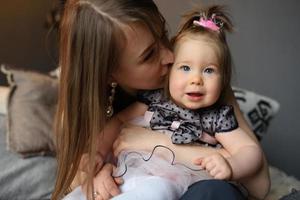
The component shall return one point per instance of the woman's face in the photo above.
(144, 63)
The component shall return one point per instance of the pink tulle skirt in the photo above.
(133, 164)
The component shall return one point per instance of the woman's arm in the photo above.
(103, 182)
(113, 126)
(245, 154)
(138, 138)
(258, 184)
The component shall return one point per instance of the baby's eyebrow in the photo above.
(211, 64)
(185, 62)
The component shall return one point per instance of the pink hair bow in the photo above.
(206, 23)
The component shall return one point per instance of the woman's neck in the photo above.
(129, 91)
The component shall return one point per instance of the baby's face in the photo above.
(195, 77)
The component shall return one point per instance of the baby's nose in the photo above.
(196, 80)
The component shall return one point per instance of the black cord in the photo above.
(151, 154)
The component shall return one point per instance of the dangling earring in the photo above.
(110, 109)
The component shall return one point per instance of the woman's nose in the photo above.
(167, 59)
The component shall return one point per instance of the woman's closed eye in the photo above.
(149, 55)
(152, 53)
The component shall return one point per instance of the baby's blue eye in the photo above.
(185, 68)
(209, 70)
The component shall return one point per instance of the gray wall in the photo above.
(24, 38)
(266, 50)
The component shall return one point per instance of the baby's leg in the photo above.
(148, 188)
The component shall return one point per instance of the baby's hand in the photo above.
(216, 165)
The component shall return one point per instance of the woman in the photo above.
(104, 42)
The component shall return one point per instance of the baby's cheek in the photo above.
(174, 90)
(175, 84)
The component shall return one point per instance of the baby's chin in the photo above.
(191, 107)
(187, 106)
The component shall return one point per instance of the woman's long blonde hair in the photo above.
(91, 39)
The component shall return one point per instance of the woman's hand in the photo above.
(84, 163)
(83, 169)
(105, 186)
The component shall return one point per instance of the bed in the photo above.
(24, 178)
(27, 153)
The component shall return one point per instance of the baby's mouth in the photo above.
(195, 94)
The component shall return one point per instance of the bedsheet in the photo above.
(36, 183)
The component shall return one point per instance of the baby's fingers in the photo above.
(198, 161)
(206, 161)
(220, 176)
(213, 172)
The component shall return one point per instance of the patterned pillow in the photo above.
(258, 110)
(31, 107)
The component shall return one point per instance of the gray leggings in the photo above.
(213, 190)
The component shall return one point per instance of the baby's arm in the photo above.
(246, 156)
(244, 160)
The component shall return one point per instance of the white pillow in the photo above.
(55, 73)
(258, 110)
(3, 99)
